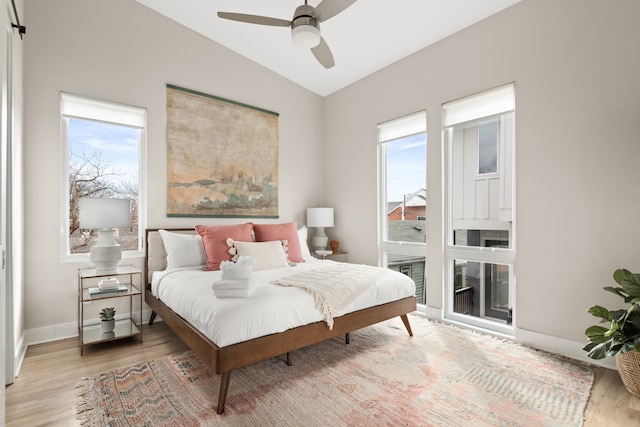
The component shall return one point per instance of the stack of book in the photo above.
(108, 285)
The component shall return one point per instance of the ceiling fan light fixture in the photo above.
(306, 33)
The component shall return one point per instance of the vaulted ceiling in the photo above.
(367, 36)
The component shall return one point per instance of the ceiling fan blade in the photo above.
(329, 8)
(323, 54)
(255, 19)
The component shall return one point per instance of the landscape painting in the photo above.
(222, 157)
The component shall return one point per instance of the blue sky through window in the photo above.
(406, 166)
(117, 144)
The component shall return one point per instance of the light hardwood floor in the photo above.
(44, 393)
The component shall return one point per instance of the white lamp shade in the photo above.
(104, 213)
(306, 36)
(320, 217)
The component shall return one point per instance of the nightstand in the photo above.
(337, 256)
(90, 295)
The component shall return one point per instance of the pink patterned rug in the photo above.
(443, 376)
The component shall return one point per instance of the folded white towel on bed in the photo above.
(232, 284)
(241, 272)
(232, 293)
(241, 269)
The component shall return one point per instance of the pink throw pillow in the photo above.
(287, 231)
(214, 241)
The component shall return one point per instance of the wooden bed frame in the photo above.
(223, 360)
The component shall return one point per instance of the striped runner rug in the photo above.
(442, 376)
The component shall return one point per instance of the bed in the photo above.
(227, 340)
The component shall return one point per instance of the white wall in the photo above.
(119, 50)
(576, 66)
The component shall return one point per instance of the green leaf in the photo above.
(596, 334)
(620, 274)
(615, 349)
(631, 284)
(633, 318)
(618, 315)
(617, 291)
(600, 312)
(628, 346)
(598, 352)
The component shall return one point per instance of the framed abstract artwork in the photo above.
(222, 157)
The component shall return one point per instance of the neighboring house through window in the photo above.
(103, 157)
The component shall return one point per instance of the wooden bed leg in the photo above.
(346, 338)
(405, 320)
(288, 359)
(152, 317)
(224, 386)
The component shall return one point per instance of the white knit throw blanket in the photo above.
(335, 287)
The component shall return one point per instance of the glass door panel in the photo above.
(481, 289)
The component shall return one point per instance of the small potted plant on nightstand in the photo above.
(622, 338)
(108, 317)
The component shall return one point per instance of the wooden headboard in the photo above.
(155, 256)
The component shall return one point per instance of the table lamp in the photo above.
(105, 215)
(319, 218)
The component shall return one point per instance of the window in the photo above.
(103, 157)
(402, 197)
(406, 270)
(488, 146)
(480, 249)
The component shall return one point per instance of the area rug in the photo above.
(442, 376)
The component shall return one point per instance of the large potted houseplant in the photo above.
(622, 338)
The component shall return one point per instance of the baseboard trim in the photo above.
(563, 347)
(61, 331)
(432, 312)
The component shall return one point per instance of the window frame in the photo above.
(411, 124)
(86, 108)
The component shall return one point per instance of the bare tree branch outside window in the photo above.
(92, 173)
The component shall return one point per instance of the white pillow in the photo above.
(267, 255)
(304, 247)
(183, 250)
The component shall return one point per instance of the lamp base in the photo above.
(319, 243)
(319, 240)
(107, 253)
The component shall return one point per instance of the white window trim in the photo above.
(111, 112)
(412, 124)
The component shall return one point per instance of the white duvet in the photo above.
(269, 309)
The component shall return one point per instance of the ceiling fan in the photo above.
(305, 25)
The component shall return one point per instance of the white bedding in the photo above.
(269, 309)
